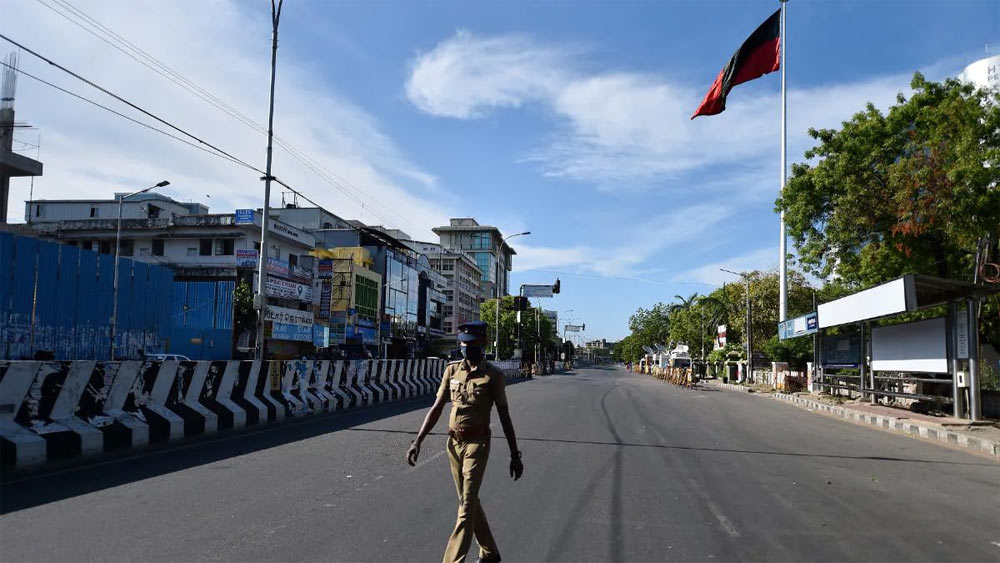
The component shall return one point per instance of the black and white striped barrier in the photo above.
(58, 410)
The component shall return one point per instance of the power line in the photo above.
(132, 119)
(133, 51)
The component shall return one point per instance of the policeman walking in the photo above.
(473, 385)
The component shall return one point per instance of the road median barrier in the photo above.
(59, 410)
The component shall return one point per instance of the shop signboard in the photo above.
(288, 289)
(324, 269)
(302, 274)
(282, 331)
(288, 316)
(244, 216)
(321, 336)
(246, 258)
(277, 267)
(367, 334)
(324, 300)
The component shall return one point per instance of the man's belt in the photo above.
(466, 434)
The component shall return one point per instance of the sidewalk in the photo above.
(983, 439)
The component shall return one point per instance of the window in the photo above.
(158, 247)
(128, 247)
(224, 247)
(484, 261)
(38, 211)
(205, 247)
(87, 245)
(94, 211)
(293, 260)
(153, 212)
(481, 241)
(256, 246)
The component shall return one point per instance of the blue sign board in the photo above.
(244, 216)
(300, 333)
(321, 336)
(799, 326)
(367, 334)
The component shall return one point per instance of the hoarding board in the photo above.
(720, 337)
(324, 269)
(890, 298)
(277, 267)
(538, 291)
(841, 350)
(302, 274)
(299, 333)
(244, 216)
(321, 336)
(289, 290)
(325, 294)
(288, 316)
(573, 328)
(246, 258)
(799, 326)
(911, 347)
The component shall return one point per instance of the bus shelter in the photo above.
(935, 360)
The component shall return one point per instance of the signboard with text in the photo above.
(287, 289)
(288, 316)
(246, 258)
(244, 216)
(277, 267)
(841, 351)
(538, 291)
(324, 269)
(720, 337)
(299, 333)
(321, 336)
(799, 326)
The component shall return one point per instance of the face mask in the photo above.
(472, 353)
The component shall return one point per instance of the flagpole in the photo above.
(783, 257)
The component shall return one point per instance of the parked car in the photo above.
(167, 357)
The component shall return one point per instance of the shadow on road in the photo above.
(719, 450)
(26, 490)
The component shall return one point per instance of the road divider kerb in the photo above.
(70, 410)
(896, 425)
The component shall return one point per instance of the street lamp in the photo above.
(118, 245)
(749, 338)
(496, 287)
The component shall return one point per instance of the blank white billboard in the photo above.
(912, 347)
(886, 299)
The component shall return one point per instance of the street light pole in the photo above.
(118, 246)
(260, 300)
(748, 337)
(496, 291)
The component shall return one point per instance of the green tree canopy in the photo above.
(508, 327)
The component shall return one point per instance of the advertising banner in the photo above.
(288, 289)
(281, 331)
(288, 316)
(321, 336)
(324, 269)
(367, 334)
(799, 326)
(720, 337)
(325, 291)
(573, 328)
(277, 267)
(302, 274)
(246, 258)
(244, 216)
(841, 351)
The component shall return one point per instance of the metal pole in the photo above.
(953, 355)
(260, 301)
(975, 398)
(783, 259)
(749, 344)
(114, 297)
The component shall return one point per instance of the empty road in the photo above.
(618, 467)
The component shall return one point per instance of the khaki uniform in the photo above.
(473, 394)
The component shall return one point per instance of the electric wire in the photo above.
(133, 51)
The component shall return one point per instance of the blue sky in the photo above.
(569, 119)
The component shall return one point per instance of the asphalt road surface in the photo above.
(618, 467)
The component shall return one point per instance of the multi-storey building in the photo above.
(484, 245)
(462, 287)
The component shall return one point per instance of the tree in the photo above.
(650, 326)
(508, 327)
(908, 191)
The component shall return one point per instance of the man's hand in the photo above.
(516, 467)
(413, 453)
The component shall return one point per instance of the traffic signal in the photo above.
(520, 303)
(555, 288)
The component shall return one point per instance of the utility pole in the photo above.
(748, 337)
(260, 299)
(496, 285)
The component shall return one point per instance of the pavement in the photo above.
(618, 467)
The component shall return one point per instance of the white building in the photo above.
(984, 73)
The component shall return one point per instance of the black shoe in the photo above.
(491, 559)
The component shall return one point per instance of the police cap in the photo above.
(469, 332)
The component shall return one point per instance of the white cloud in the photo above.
(225, 49)
(626, 130)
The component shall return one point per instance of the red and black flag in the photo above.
(757, 56)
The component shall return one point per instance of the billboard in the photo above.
(573, 328)
(841, 350)
(799, 326)
(288, 289)
(277, 267)
(920, 346)
(324, 269)
(246, 258)
(321, 336)
(720, 337)
(288, 316)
